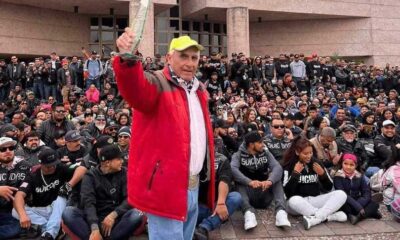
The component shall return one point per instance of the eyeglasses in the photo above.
(123, 136)
(4, 149)
(278, 126)
(101, 120)
(113, 129)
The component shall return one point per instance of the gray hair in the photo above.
(328, 132)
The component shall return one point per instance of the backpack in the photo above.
(394, 174)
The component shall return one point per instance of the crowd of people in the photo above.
(317, 136)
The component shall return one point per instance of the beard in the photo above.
(6, 160)
(100, 126)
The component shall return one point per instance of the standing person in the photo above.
(165, 102)
(16, 72)
(305, 180)
(93, 69)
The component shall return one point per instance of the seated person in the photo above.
(13, 170)
(391, 185)
(358, 205)
(42, 196)
(105, 212)
(258, 177)
(308, 186)
(227, 201)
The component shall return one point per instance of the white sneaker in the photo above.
(281, 219)
(309, 221)
(337, 217)
(249, 220)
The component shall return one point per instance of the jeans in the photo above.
(371, 171)
(74, 219)
(161, 228)
(50, 90)
(320, 206)
(9, 226)
(49, 218)
(95, 81)
(255, 197)
(4, 92)
(233, 202)
(38, 89)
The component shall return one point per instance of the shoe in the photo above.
(46, 236)
(33, 232)
(354, 219)
(377, 197)
(281, 219)
(337, 217)
(309, 221)
(377, 215)
(201, 233)
(249, 220)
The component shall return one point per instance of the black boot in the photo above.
(354, 219)
(200, 234)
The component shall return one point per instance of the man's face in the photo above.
(313, 114)
(17, 118)
(184, 63)
(14, 59)
(123, 140)
(340, 114)
(258, 147)
(349, 136)
(262, 111)
(60, 142)
(115, 164)
(277, 128)
(53, 57)
(73, 145)
(303, 108)
(389, 131)
(7, 153)
(59, 113)
(32, 143)
(364, 110)
(89, 119)
(74, 59)
(48, 169)
(232, 133)
(326, 141)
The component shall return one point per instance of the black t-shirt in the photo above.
(41, 190)
(74, 157)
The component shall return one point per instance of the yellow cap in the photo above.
(184, 42)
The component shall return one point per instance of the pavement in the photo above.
(385, 228)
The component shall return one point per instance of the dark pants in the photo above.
(205, 220)
(4, 92)
(38, 89)
(371, 210)
(123, 228)
(50, 90)
(9, 226)
(95, 81)
(256, 198)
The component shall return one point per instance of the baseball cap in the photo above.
(252, 137)
(47, 156)
(349, 127)
(110, 152)
(100, 117)
(94, 52)
(102, 141)
(124, 131)
(6, 140)
(387, 123)
(72, 135)
(59, 134)
(184, 42)
(288, 116)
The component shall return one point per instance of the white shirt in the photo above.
(198, 138)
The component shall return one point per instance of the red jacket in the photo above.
(158, 169)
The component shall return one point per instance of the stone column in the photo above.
(146, 46)
(237, 23)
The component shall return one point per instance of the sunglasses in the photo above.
(279, 126)
(123, 136)
(4, 149)
(59, 111)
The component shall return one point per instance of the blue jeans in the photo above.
(9, 226)
(95, 81)
(233, 202)
(38, 89)
(49, 218)
(74, 219)
(371, 171)
(50, 90)
(161, 228)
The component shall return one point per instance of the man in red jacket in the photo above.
(172, 149)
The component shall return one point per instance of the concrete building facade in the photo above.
(364, 29)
